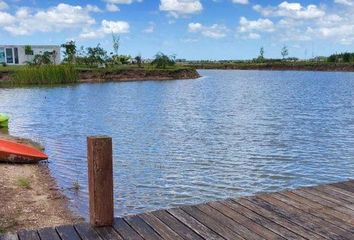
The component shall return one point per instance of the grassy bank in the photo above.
(64, 74)
(286, 65)
(42, 75)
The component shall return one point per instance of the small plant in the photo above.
(24, 182)
(4, 64)
(76, 186)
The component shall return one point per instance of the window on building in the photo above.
(2, 55)
(9, 55)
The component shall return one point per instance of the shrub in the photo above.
(162, 61)
(46, 74)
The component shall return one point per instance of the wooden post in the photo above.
(100, 177)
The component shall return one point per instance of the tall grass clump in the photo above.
(44, 75)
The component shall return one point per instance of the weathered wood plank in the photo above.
(324, 202)
(108, 233)
(248, 223)
(161, 228)
(344, 186)
(314, 208)
(28, 235)
(334, 199)
(228, 222)
(211, 223)
(192, 223)
(337, 193)
(126, 231)
(67, 232)
(315, 223)
(48, 234)
(86, 232)
(176, 225)
(9, 236)
(262, 220)
(281, 220)
(142, 228)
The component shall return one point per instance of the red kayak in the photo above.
(13, 152)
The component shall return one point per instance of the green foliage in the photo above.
(41, 59)
(69, 51)
(28, 50)
(162, 61)
(96, 56)
(116, 43)
(24, 182)
(342, 57)
(139, 60)
(43, 75)
(284, 52)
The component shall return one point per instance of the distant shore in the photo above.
(278, 66)
(100, 75)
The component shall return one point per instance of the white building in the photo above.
(21, 54)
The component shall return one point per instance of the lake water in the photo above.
(227, 134)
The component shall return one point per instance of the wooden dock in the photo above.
(321, 212)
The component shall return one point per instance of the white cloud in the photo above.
(215, 31)
(60, 17)
(112, 5)
(3, 5)
(241, 1)
(345, 2)
(262, 25)
(178, 8)
(291, 10)
(107, 27)
(150, 28)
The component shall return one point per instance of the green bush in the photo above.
(44, 75)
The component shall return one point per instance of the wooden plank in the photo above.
(28, 235)
(142, 228)
(334, 199)
(192, 223)
(211, 223)
(324, 202)
(108, 233)
(160, 227)
(344, 186)
(9, 236)
(316, 224)
(280, 230)
(281, 220)
(248, 223)
(48, 234)
(314, 209)
(176, 225)
(100, 175)
(228, 222)
(126, 231)
(67, 232)
(337, 193)
(86, 232)
(341, 190)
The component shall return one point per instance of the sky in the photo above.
(190, 29)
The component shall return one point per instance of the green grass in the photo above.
(42, 75)
(11, 68)
(24, 182)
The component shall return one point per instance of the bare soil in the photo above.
(30, 197)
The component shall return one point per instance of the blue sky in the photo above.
(191, 29)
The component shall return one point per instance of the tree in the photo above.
(96, 55)
(261, 53)
(162, 61)
(139, 60)
(69, 52)
(284, 52)
(116, 43)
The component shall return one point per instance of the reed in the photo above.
(44, 75)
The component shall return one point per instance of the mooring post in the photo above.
(100, 177)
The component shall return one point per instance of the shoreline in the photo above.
(282, 66)
(30, 197)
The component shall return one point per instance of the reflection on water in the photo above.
(230, 133)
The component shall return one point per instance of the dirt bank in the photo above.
(92, 76)
(30, 198)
